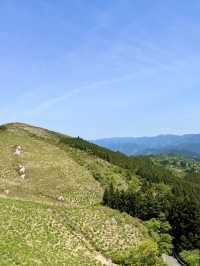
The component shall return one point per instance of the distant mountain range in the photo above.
(188, 145)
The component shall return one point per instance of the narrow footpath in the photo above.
(170, 261)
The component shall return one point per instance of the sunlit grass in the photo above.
(37, 229)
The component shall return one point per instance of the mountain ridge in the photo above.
(169, 143)
(55, 211)
(71, 202)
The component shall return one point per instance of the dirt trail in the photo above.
(170, 261)
(103, 260)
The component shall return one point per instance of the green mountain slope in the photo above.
(54, 215)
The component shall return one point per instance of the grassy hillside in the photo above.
(38, 229)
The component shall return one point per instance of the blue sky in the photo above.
(99, 68)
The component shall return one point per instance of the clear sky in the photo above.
(101, 68)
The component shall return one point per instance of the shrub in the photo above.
(191, 257)
(159, 229)
(3, 128)
(144, 254)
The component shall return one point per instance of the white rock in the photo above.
(23, 176)
(113, 221)
(7, 191)
(21, 169)
(18, 147)
(60, 198)
(17, 152)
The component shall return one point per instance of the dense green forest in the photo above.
(162, 190)
(155, 190)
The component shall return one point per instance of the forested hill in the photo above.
(185, 145)
(51, 211)
(158, 191)
(66, 184)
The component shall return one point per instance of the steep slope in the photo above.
(37, 228)
(50, 172)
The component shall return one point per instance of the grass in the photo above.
(37, 229)
(108, 230)
(50, 172)
(32, 234)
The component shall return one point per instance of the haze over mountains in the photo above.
(188, 145)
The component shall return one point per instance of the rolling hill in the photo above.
(188, 145)
(53, 215)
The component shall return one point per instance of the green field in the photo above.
(38, 229)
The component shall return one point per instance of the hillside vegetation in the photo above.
(54, 215)
(168, 199)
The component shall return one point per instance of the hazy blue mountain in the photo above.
(185, 144)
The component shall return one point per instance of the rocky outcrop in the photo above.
(18, 150)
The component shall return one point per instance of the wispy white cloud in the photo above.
(50, 102)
